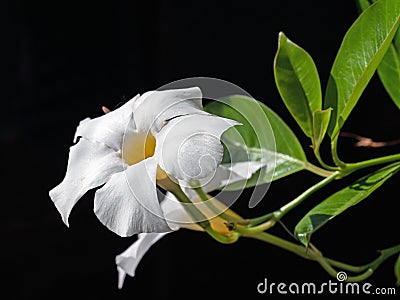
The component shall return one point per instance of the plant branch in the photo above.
(352, 167)
(207, 200)
(201, 219)
(319, 171)
(292, 204)
(270, 219)
(335, 156)
(312, 253)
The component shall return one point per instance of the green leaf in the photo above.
(298, 83)
(389, 68)
(262, 137)
(320, 125)
(364, 4)
(397, 271)
(341, 201)
(360, 53)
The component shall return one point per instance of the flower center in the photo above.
(138, 148)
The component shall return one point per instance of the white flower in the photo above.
(127, 150)
(177, 217)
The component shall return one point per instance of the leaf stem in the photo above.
(327, 264)
(270, 219)
(385, 254)
(332, 272)
(281, 243)
(292, 204)
(201, 219)
(207, 200)
(195, 213)
(259, 220)
(352, 167)
(347, 267)
(335, 156)
(319, 171)
(367, 269)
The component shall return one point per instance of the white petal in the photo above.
(90, 165)
(226, 174)
(190, 146)
(80, 127)
(128, 261)
(176, 217)
(155, 107)
(235, 172)
(121, 276)
(109, 128)
(128, 202)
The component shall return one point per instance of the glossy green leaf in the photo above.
(360, 53)
(341, 201)
(320, 125)
(389, 68)
(397, 271)
(298, 83)
(262, 137)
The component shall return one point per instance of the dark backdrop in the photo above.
(64, 60)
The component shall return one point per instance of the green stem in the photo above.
(385, 254)
(346, 267)
(292, 204)
(196, 214)
(335, 156)
(281, 243)
(341, 265)
(323, 164)
(206, 199)
(332, 272)
(327, 264)
(258, 220)
(271, 218)
(257, 228)
(351, 167)
(299, 250)
(202, 220)
(319, 171)
(360, 277)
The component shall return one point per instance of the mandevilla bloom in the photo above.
(152, 137)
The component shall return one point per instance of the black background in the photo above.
(64, 60)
